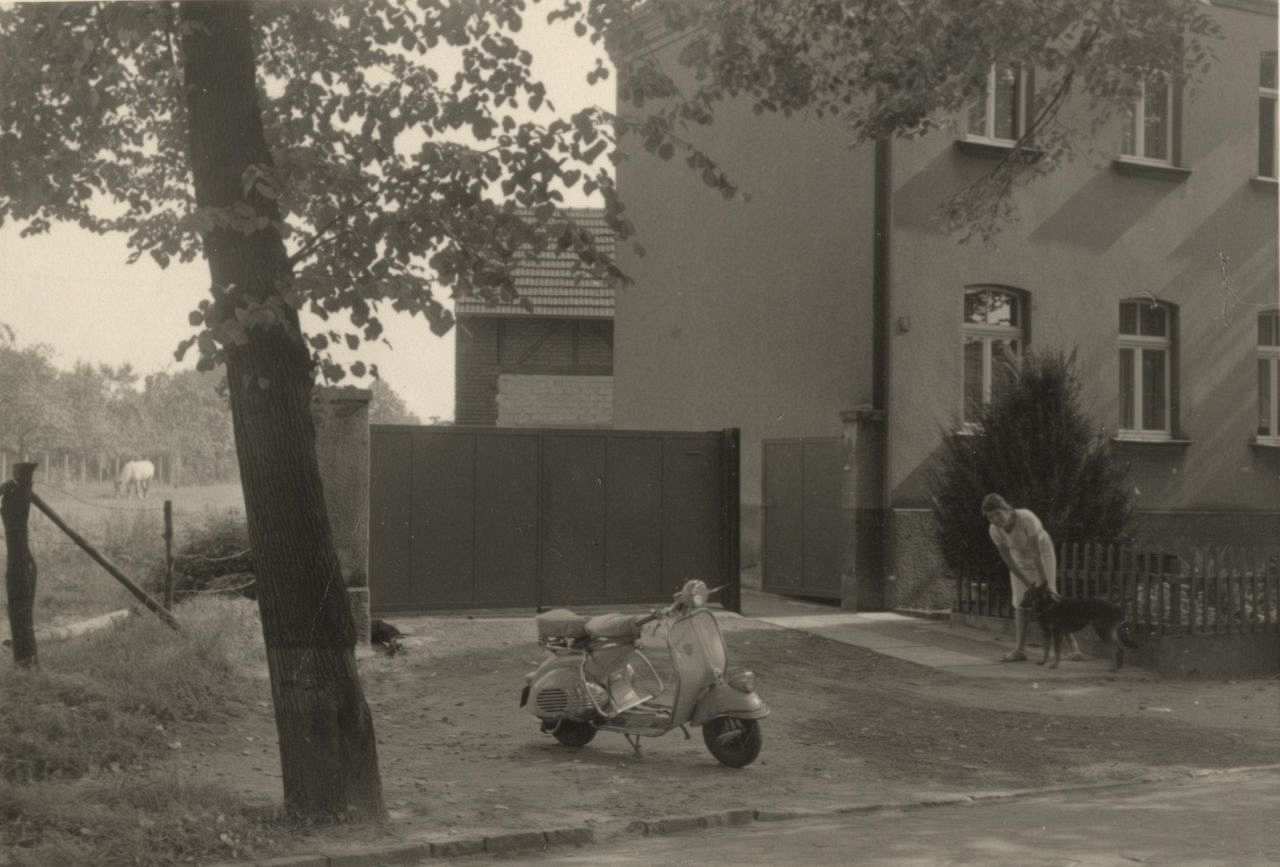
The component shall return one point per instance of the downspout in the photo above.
(881, 281)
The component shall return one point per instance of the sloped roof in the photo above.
(550, 282)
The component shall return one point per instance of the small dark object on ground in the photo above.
(1060, 617)
(385, 636)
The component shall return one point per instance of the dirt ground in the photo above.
(848, 726)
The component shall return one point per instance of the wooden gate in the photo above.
(804, 527)
(480, 517)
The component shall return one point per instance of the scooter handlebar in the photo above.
(650, 617)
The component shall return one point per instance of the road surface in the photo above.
(1227, 819)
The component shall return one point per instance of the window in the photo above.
(1269, 377)
(1000, 114)
(1146, 363)
(994, 331)
(1267, 116)
(1148, 126)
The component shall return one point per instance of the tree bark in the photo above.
(20, 568)
(328, 753)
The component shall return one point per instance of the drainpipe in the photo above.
(881, 281)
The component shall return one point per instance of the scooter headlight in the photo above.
(743, 681)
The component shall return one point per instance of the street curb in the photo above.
(524, 841)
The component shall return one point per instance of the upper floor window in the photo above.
(1267, 152)
(1146, 347)
(1000, 113)
(1269, 377)
(994, 332)
(1148, 123)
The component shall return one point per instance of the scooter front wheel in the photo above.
(573, 733)
(734, 742)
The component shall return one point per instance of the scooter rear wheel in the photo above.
(572, 733)
(734, 742)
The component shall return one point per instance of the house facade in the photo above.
(834, 287)
(547, 362)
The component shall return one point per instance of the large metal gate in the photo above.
(804, 525)
(478, 517)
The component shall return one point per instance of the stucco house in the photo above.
(547, 362)
(831, 304)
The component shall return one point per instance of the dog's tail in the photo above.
(1125, 634)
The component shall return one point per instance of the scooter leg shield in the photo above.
(723, 700)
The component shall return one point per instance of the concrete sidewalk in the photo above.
(933, 643)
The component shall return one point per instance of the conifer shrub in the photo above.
(1034, 445)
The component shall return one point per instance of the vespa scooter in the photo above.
(588, 683)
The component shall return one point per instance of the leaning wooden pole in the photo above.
(20, 568)
(105, 563)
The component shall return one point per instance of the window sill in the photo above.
(996, 149)
(1142, 169)
(1264, 183)
(1139, 440)
(1265, 443)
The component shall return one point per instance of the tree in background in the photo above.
(387, 407)
(84, 389)
(1033, 444)
(316, 160)
(191, 419)
(32, 417)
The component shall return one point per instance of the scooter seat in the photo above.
(613, 626)
(561, 623)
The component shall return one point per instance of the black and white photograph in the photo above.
(639, 432)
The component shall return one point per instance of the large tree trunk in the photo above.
(327, 749)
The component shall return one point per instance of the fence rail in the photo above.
(1204, 591)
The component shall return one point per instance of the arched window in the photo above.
(994, 330)
(1269, 377)
(1147, 354)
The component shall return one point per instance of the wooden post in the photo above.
(114, 572)
(168, 555)
(20, 569)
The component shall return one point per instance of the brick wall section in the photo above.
(476, 371)
(533, 400)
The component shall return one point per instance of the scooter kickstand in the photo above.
(634, 740)
(685, 729)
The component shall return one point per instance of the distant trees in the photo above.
(387, 407)
(87, 417)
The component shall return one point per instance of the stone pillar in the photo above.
(342, 446)
(862, 504)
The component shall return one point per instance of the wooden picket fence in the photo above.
(1201, 591)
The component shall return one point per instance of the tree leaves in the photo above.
(411, 142)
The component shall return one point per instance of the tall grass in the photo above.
(81, 737)
(129, 533)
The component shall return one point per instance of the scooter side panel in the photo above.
(723, 700)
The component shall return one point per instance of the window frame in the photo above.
(988, 334)
(1270, 353)
(1021, 100)
(1141, 344)
(1273, 94)
(1139, 121)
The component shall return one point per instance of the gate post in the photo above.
(863, 509)
(731, 518)
(341, 417)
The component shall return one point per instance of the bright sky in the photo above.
(73, 291)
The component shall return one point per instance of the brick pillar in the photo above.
(861, 501)
(342, 445)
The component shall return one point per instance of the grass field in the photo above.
(128, 532)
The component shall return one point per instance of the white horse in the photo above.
(136, 475)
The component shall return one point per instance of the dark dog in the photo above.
(1060, 617)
